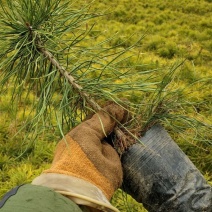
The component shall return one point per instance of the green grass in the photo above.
(173, 30)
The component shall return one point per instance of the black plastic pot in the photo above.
(159, 175)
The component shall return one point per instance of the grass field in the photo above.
(171, 31)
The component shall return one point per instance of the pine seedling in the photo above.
(47, 52)
(64, 75)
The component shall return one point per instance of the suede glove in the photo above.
(84, 154)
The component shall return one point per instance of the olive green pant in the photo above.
(33, 198)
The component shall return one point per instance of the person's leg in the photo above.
(158, 174)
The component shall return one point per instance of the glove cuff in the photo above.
(78, 190)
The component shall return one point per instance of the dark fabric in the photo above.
(33, 198)
(159, 175)
(8, 195)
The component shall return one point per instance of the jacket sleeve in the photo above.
(30, 198)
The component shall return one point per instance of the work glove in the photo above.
(86, 168)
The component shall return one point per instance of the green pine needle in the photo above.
(45, 46)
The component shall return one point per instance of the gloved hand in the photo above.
(86, 168)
